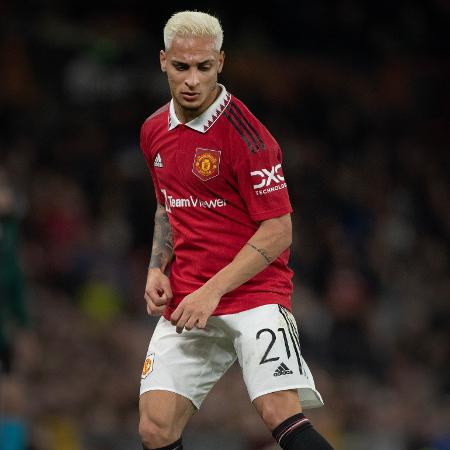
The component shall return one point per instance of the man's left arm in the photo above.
(270, 240)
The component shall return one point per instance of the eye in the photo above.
(180, 67)
(204, 68)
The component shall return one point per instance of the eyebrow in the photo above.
(201, 63)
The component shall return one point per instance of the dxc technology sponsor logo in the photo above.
(268, 180)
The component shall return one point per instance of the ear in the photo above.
(221, 61)
(163, 60)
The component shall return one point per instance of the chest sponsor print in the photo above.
(206, 163)
(191, 202)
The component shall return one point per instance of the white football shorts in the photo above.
(265, 340)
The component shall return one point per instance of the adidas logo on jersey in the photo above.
(158, 161)
(282, 369)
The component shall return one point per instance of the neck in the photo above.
(186, 115)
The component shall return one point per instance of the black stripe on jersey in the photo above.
(294, 337)
(236, 107)
(244, 127)
(238, 129)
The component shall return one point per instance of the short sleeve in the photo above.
(145, 148)
(260, 179)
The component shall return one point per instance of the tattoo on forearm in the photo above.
(162, 248)
(262, 252)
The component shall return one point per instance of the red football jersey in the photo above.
(218, 176)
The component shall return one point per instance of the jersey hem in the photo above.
(239, 306)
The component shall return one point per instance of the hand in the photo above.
(157, 292)
(195, 309)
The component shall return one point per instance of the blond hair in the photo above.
(193, 23)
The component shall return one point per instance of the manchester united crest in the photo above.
(148, 365)
(206, 163)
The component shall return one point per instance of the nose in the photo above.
(192, 79)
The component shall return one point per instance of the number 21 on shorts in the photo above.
(272, 354)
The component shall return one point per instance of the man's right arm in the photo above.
(162, 248)
(157, 290)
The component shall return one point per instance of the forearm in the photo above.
(162, 247)
(269, 241)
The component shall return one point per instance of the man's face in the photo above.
(192, 66)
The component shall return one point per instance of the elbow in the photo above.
(289, 241)
(286, 239)
(277, 233)
(284, 232)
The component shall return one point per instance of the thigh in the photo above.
(268, 348)
(187, 364)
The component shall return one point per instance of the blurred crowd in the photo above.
(355, 95)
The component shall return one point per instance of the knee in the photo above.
(271, 416)
(154, 434)
(276, 407)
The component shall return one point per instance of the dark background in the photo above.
(357, 96)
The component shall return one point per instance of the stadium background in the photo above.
(355, 94)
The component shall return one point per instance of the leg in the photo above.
(281, 412)
(163, 417)
(188, 364)
(278, 406)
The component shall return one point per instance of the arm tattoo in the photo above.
(262, 252)
(162, 248)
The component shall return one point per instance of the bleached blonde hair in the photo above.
(193, 23)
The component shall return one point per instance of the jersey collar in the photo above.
(207, 118)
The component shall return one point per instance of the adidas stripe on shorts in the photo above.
(265, 340)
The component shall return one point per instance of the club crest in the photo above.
(206, 163)
(148, 365)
